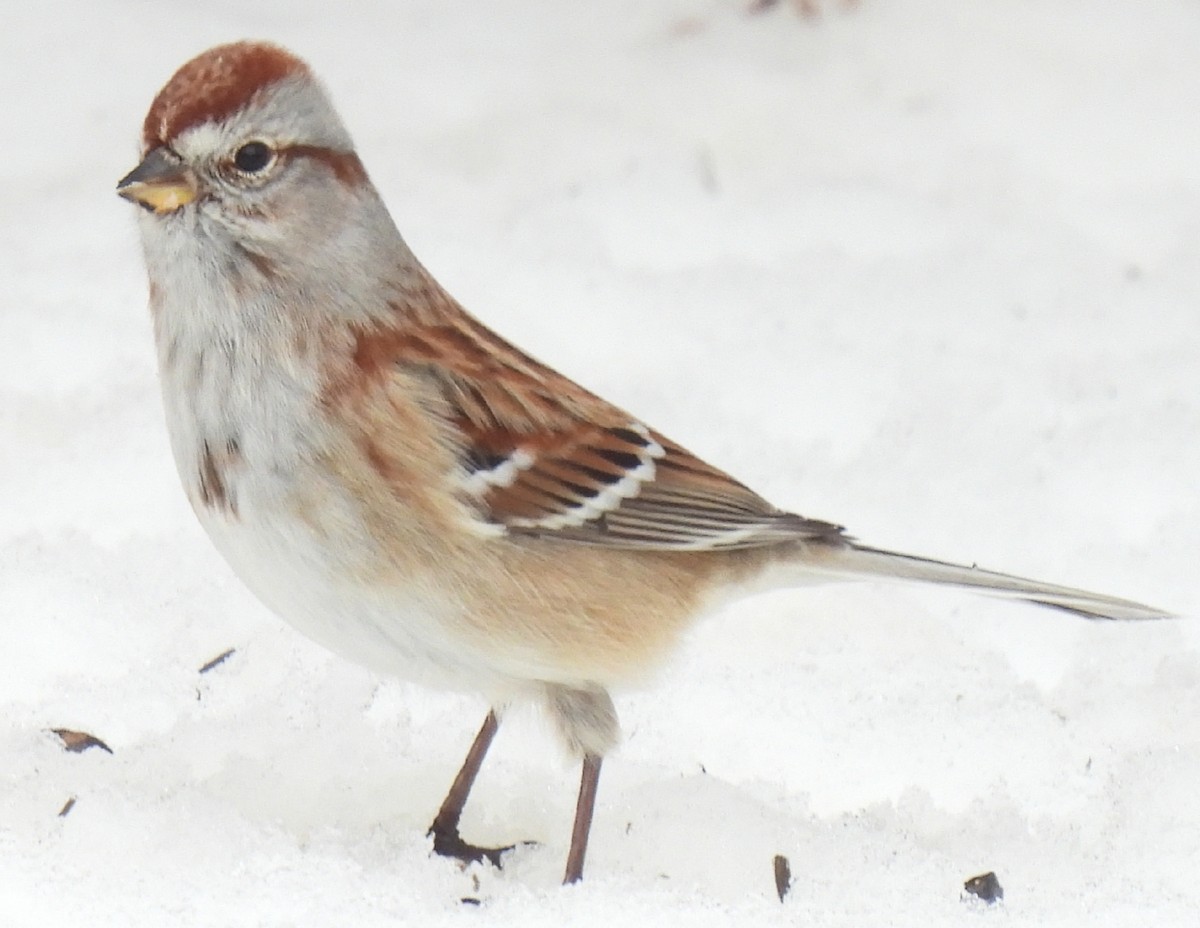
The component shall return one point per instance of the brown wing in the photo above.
(541, 456)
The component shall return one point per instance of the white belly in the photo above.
(404, 630)
(245, 451)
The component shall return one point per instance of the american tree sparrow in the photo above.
(400, 483)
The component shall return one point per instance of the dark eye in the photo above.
(253, 157)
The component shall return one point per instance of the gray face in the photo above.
(271, 194)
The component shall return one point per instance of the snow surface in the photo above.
(930, 268)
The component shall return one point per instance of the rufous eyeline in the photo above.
(403, 485)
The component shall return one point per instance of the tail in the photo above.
(852, 560)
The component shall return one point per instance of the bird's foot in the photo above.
(447, 842)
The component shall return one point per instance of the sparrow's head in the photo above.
(243, 150)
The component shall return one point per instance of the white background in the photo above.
(928, 268)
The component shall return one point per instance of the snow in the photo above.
(928, 268)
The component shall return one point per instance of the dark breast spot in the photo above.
(214, 471)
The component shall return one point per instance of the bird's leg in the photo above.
(587, 721)
(588, 781)
(446, 840)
